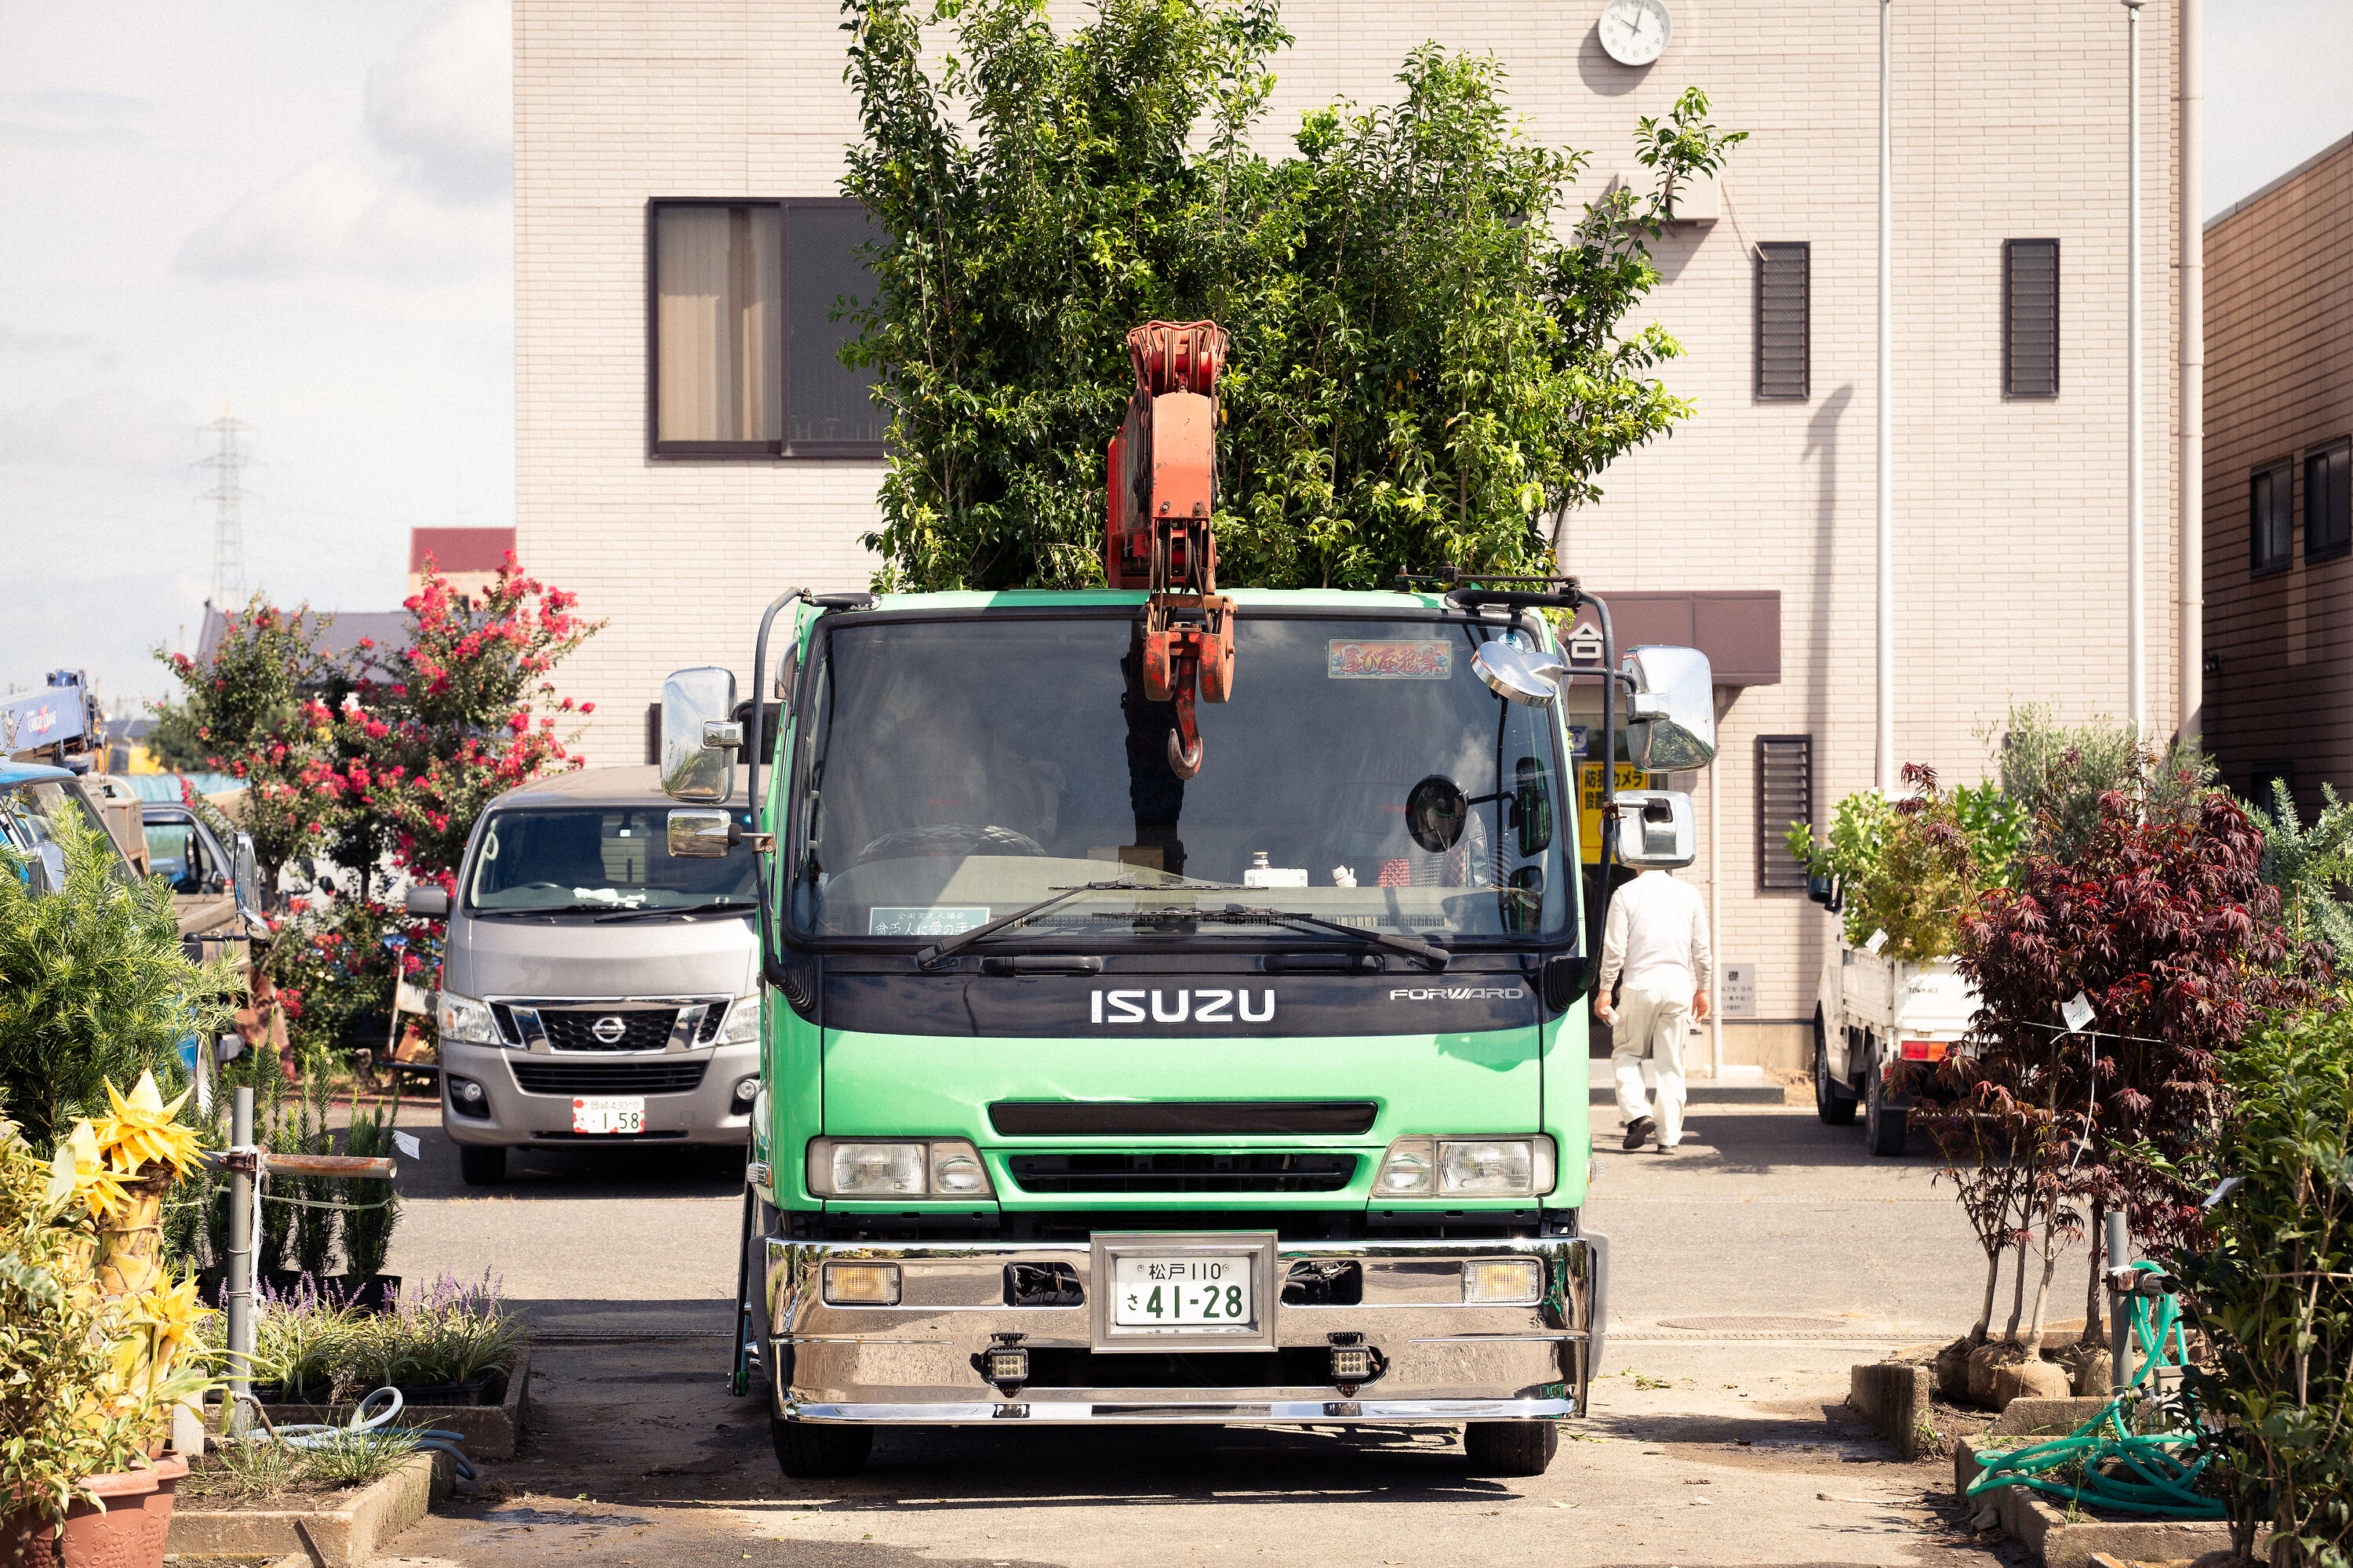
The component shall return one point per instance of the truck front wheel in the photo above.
(1510, 1447)
(807, 1451)
(1833, 1107)
(1883, 1124)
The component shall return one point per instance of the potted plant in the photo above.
(95, 1338)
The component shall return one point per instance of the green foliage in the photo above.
(314, 1217)
(443, 1333)
(2309, 864)
(2057, 772)
(375, 1205)
(2271, 1285)
(1912, 867)
(171, 738)
(93, 984)
(1426, 352)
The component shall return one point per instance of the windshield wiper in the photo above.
(928, 957)
(723, 903)
(596, 907)
(1437, 957)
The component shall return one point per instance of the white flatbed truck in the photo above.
(1877, 1023)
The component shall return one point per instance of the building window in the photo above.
(2030, 316)
(1784, 320)
(2271, 521)
(1785, 794)
(744, 360)
(2328, 503)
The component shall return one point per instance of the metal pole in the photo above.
(2135, 592)
(1886, 435)
(241, 1267)
(2119, 1242)
(2190, 482)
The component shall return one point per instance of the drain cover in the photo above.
(1755, 1325)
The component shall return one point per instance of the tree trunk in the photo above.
(2095, 1323)
(1985, 1309)
(2018, 1289)
(2042, 1289)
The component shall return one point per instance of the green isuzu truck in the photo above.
(1126, 1064)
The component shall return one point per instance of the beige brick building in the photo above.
(2279, 511)
(2008, 392)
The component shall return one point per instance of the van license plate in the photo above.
(609, 1113)
(1192, 1292)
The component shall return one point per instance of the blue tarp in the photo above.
(166, 786)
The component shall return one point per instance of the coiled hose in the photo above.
(2126, 1471)
(368, 1423)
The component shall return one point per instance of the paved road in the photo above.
(1724, 1444)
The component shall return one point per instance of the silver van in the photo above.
(595, 991)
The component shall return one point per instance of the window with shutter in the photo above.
(1785, 320)
(2030, 309)
(2271, 518)
(1785, 794)
(2328, 503)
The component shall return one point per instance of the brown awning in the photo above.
(1738, 630)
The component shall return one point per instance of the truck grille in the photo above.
(1266, 1171)
(608, 1077)
(573, 1028)
(1174, 1118)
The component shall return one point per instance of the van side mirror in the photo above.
(1672, 721)
(699, 739)
(427, 903)
(1654, 828)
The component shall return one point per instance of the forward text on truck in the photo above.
(1173, 1000)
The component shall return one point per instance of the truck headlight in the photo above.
(876, 1167)
(463, 1018)
(742, 1024)
(1466, 1168)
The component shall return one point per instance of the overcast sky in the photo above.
(302, 213)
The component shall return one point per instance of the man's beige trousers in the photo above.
(1652, 1022)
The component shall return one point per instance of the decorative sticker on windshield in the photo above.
(889, 920)
(1349, 659)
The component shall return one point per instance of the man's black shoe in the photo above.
(1638, 1132)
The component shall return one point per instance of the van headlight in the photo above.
(1466, 1168)
(742, 1024)
(880, 1168)
(463, 1018)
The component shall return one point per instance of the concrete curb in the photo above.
(485, 1432)
(2053, 1537)
(1893, 1395)
(346, 1537)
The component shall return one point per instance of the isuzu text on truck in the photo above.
(1173, 1000)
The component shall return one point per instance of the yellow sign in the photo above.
(1589, 801)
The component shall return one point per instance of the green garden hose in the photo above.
(2119, 1469)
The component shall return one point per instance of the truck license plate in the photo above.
(609, 1113)
(1191, 1292)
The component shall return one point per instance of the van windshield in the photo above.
(597, 857)
(957, 770)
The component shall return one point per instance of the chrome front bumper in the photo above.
(1447, 1363)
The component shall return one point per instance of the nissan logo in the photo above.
(609, 1030)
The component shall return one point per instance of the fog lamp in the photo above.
(1352, 1364)
(1502, 1282)
(467, 1099)
(746, 1091)
(861, 1284)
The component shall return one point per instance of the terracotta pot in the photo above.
(129, 1535)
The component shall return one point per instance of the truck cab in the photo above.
(1094, 1090)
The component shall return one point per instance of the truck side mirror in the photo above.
(1654, 828)
(48, 863)
(427, 903)
(699, 737)
(1672, 722)
(699, 835)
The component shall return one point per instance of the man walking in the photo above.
(1657, 937)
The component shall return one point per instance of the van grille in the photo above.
(1257, 1171)
(608, 1077)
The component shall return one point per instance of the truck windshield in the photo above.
(592, 858)
(957, 770)
(32, 811)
